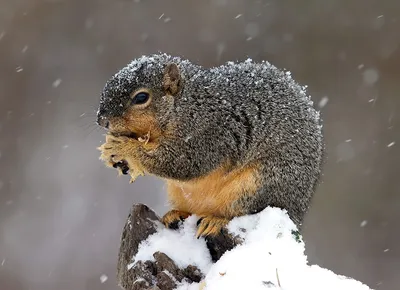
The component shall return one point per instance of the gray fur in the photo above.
(240, 112)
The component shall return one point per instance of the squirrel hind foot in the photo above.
(210, 226)
(173, 218)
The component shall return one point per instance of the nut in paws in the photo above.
(120, 152)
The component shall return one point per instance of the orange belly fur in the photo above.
(214, 194)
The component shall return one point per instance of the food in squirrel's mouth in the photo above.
(123, 165)
(144, 139)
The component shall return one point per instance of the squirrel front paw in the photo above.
(207, 226)
(120, 152)
(172, 218)
(210, 226)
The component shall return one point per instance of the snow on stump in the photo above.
(261, 251)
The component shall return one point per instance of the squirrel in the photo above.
(228, 140)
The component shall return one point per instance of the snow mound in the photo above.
(181, 246)
(271, 257)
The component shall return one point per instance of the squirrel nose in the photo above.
(103, 122)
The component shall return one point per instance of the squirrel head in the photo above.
(137, 100)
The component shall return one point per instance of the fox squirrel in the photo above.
(229, 140)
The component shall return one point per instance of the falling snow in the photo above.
(363, 223)
(103, 278)
(370, 76)
(379, 22)
(2, 262)
(56, 83)
(220, 50)
(19, 69)
(391, 144)
(322, 103)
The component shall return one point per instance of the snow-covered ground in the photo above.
(272, 256)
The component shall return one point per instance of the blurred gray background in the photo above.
(62, 211)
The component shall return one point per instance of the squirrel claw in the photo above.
(172, 218)
(210, 226)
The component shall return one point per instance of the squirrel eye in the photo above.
(141, 98)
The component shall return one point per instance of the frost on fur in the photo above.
(270, 255)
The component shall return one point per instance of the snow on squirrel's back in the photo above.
(272, 257)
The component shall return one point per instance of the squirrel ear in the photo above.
(172, 79)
